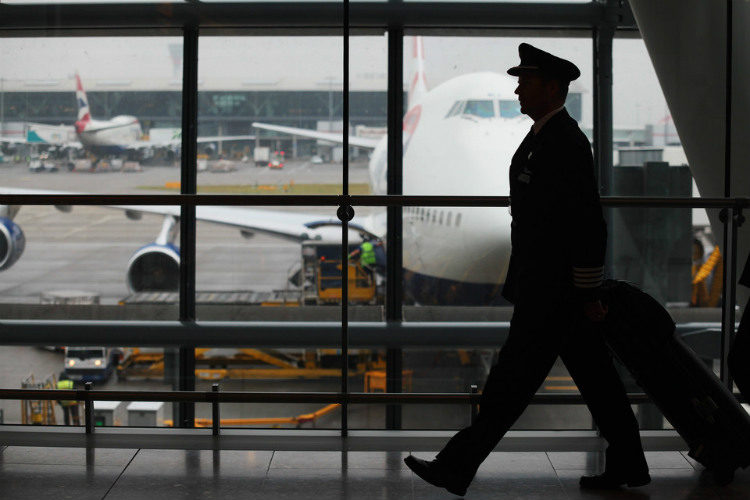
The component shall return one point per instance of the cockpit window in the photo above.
(485, 108)
(510, 109)
(482, 109)
(455, 109)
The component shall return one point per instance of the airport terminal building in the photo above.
(218, 323)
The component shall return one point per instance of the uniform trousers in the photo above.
(548, 325)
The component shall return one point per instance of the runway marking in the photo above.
(104, 219)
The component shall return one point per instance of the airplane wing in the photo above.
(297, 226)
(177, 141)
(56, 138)
(359, 142)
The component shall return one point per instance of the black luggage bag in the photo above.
(739, 354)
(641, 334)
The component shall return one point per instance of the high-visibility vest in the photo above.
(66, 385)
(368, 254)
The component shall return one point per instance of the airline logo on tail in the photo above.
(84, 114)
(418, 86)
(417, 90)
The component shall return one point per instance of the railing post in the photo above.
(216, 419)
(88, 410)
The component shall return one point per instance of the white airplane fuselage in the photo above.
(104, 136)
(457, 255)
(109, 136)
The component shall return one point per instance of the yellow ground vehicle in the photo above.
(322, 273)
(317, 280)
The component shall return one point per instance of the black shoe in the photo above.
(437, 475)
(609, 481)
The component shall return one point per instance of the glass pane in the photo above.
(80, 114)
(463, 122)
(265, 121)
(661, 251)
(648, 157)
(289, 98)
(460, 134)
(86, 262)
(286, 370)
(455, 258)
(640, 112)
(457, 370)
(289, 258)
(86, 111)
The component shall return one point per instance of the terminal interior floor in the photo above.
(58, 473)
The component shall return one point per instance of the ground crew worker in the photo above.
(70, 408)
(368, 255)
(366, 252)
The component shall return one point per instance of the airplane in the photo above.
(105, 137)
(458, 140)
(119, 136)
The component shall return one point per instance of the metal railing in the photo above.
(216, 397)
(391, 334)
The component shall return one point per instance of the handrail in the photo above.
(135, 200)
(215, 397)
(271, 334)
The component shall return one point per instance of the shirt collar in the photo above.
(543, 120)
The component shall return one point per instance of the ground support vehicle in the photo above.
(261, 156)
(247, 363)
(91, 363)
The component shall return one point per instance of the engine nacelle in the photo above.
(12, 243)
(154, 268)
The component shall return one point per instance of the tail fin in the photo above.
(418, 82)
(84, 113)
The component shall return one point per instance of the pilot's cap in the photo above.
(533, 59)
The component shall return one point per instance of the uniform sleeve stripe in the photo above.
(588, 277)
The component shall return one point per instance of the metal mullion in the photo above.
(133, 201)
(189, 182)
(345, 214)
(731, 219)
(75, 18)
(394, 255)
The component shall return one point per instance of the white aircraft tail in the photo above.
(84, 113)
(417, 82)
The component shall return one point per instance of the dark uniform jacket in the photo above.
(558, 234)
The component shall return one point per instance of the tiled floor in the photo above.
(31, 473)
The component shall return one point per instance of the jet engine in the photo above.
(12, 243)
(154, 268)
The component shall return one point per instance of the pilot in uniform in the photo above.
(558, 238)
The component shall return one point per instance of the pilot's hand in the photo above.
(595, 311)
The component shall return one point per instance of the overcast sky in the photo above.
(48, 64)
